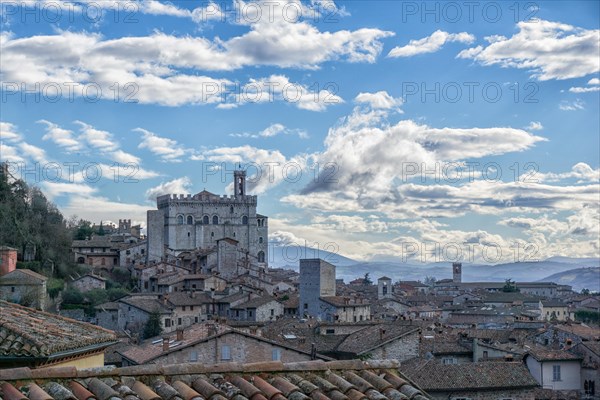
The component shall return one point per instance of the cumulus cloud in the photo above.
(581, 172)
(369, 153)
(9, 132)
(266, 168)
(169, 70)
(176, 186)
(60, 136)
(594, 86)
(550, 50)
(379, 100)
(430, 44)
(167, 149)
(534, 126)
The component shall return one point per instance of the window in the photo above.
(103, 261)
(260, 239)
(215, 220)
(249, 313)
(142, 251)
(225, 352)
(485, 354)
(128, 252)
(305, 306)
(556, 373)
(276, 354)
(180, 219)
(245, 220)
(115, 261)
(178, 321)
(272, 312)
(190, 220)
(231, 209)
(12, 289)
(449, 360)
(188, 234)
(183, 308)
(330, 331)
(196, 320)
(193, 356)
(261, 256)
(167, 322)
(205, 220)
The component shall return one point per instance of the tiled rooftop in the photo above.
(25, 332)
(433, 376)
(312, 380)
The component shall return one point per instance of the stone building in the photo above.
(186, 223)
(89, 282)
(8, 260)
(260, 309)
(25, 287)
(384, 288)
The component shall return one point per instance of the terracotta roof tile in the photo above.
(297, 381)
(26, 332)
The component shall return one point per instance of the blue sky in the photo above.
(506, 94)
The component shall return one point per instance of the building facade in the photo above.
(185, 223)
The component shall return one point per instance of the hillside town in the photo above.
(191, 309)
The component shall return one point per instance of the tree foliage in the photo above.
(29, 220)
(153, 326)
(510, 286)
(367, 280)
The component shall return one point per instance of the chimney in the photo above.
(179, 334)
(508, 358)
(165, 343)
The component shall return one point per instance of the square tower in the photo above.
(317, 279)
(457, 272)
(384, 288)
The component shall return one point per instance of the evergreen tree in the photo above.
(153, 325)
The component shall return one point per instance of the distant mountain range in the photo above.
(348, 269)
(579, 278)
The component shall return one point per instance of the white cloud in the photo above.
(176, 186)
(168, 70)
(430, 44)
(594, 86)
(10, 154)
(266, 168)
(279, 87)
(9, 132)
(565, 105)
(167, 149)
(534, 126)
(582, 172)
(273, 130)
(96, 138)
(550, 50)
(594, 81)
(379, 100)
(61, 137)
(37, 153)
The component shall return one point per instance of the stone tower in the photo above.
(384, 288)
(317, 279)
(457, 272)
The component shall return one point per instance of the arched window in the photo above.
(259, 221)
(190, 220)
(205, 220)
(260, 239)
(231, 209)
(103, 262)
(215, 220)
(81, 260)
(245, 220)
(261, 256)
(180, 219)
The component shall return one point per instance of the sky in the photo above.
(379, 130)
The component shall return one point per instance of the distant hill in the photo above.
(579, 278)
(349, 269)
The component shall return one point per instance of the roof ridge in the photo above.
(19, 374)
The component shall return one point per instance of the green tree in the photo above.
(585, 292)
(510, 286)
(72, 296)
(153, 326)
(367, 280)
